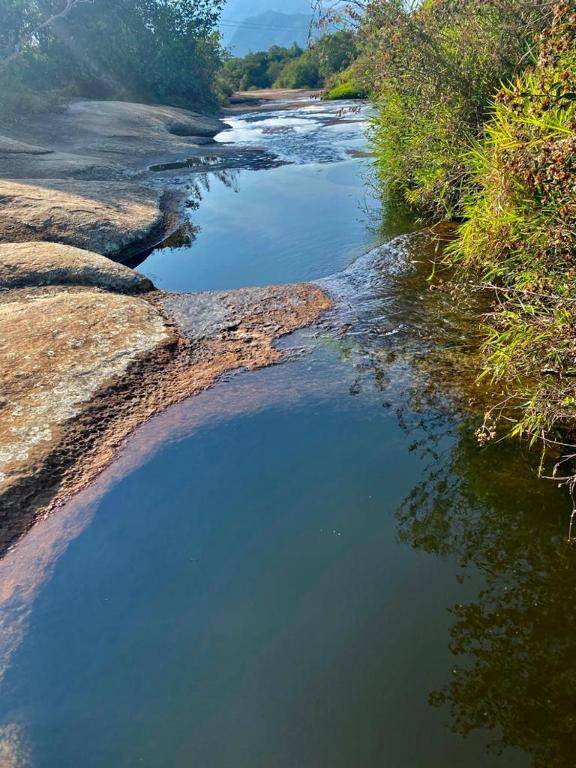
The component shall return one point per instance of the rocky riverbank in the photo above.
(88, 348)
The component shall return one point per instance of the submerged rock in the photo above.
(39, 263)
(81, 368)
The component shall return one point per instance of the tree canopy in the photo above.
(151, 50)
(292, 67)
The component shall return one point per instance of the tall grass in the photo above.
(435, 69)
(520, 234)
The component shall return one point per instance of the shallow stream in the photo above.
(312, 565)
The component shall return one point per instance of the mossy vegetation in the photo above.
(346, 90)
(350, 83)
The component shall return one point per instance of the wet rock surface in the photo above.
(268, 310)
(40, 263)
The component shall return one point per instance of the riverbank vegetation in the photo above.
(315, 67)
(476, 123)
(139, 50)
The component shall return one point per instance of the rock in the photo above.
(58, 165)
(59, 347)
(109, 218)
(38, 264)
(102, 139)
(15, 147)
(263, 312)
(19, 160)
(138, 120)
(81, 175)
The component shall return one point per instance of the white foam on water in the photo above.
(302, 135)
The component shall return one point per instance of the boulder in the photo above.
(15, 147)
(59, 347)
(129, 119)
(37, 264)
(101, 139)
(102, 216)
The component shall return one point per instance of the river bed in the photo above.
(312, 565)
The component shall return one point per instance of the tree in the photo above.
(22, 23)
(164, 51)
(302, 72)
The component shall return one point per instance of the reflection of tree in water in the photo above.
(485, 507)
(517, 641)
(195, 187)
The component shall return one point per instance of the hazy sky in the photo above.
(255, 38)
(241, 9)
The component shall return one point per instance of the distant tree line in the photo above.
(164, 51)
(292, 67)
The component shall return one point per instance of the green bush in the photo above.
(433, 74)
(302, 72)
(257, 70)
(347, 90)
(520, 232)
(291, 67)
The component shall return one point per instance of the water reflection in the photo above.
(195, 187)
(515, 674)
(301, 213)
(388, 353)
(514, 646)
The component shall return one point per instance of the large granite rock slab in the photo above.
(106, 217)
(104, 140)
(60, 347)
(37, 264)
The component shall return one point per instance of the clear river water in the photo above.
(312, 565)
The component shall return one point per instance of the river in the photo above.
(312, 565)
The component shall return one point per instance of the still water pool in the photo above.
(308, 566)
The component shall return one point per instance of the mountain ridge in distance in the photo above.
(260, 32)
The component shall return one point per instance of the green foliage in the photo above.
(163, 51)
(302, 72)
(433, 73)
(346, 90)
(352, 82)
(520, 232)
(477, 121)
(335, 52)
(291, 67)
(257, 70)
